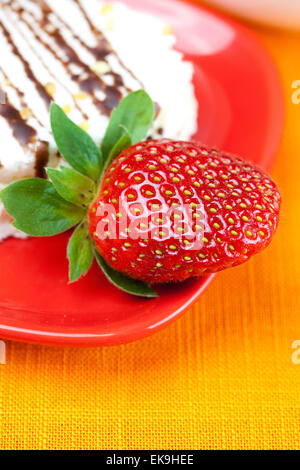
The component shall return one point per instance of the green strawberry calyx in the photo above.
(47, 207)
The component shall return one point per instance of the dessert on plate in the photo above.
(151, 211)
(85, 55)
(115, 161)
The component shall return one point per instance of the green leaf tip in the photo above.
(123, 143)
(80, 253)
(134, 117)
(75, 145)
(123, 282)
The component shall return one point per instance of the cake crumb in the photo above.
(26, 113)
(66, 109)
(80, 96)
(84, 125)
(100, 67)
(168, 30)
(50, 88)
(106, 9)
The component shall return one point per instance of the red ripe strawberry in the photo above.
(181, 209)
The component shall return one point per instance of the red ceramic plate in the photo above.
(240, 110)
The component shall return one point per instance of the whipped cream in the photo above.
(86, 55)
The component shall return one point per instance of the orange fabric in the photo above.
(222, 377)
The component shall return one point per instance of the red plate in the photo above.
(240, 110)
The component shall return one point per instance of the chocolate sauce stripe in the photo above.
(41, 41)
(88, 81)
(93, 82)
(25, 135)
(102, 50)
(98, 52)
(21, 96)
(17, 90)
(100, 36)
(28, 71)
(90, 84)
(54, 34)
(23, 132)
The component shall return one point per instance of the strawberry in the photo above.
(170, 210)
(147, 211)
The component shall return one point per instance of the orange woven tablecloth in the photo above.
(222, 377)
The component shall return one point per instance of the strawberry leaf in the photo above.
(73, 186)
(80, 253)
(123, 143)
(135, 113)
(75, 145)
(125, 283)
(38, 209)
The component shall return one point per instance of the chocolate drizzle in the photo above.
(42, 155)
(87, 80)
(20, 93)
(24, 133)
(40, 88)
(54, 35)
(104, 48)
(33, 28)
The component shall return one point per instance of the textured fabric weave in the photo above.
(222, 377)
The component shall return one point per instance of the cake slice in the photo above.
(86, 55)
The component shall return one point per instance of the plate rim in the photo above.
(96, 340)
